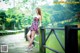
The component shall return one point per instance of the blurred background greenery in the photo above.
(18, 14)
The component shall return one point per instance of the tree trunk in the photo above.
(3, 26)
(14, 27)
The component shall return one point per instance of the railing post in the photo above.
(71, 41)
(26, 31)
(42, 41)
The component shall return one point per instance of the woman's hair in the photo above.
(39, 12)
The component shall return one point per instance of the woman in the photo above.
(34, 27)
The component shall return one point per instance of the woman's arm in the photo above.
(40, 21)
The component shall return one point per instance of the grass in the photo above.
(53, 43)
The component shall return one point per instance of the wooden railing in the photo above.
(71, 41)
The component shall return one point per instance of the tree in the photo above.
(3, 19)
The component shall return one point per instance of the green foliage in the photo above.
(25, 0)
(2, 16)
(78, 16)
(14, 18)
(61, 15)
(56, 14)
(45, 18)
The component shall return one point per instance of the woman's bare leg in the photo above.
(32, 38)
(29, 35)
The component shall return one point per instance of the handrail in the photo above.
(69, 34)
(61, 28)
(54, 28)
(75, 28)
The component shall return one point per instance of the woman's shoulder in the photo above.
(39, 16)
